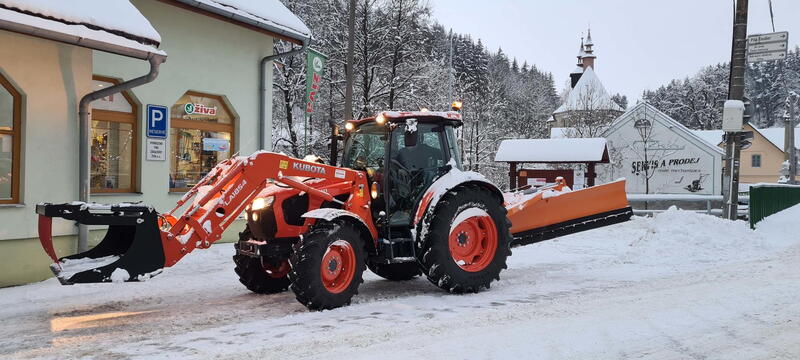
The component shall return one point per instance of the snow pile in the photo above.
(676, 236)
(120, 275)
(780, 228)
(552, 150)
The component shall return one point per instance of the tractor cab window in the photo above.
(417, 158)
(365, 148)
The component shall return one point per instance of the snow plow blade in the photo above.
(130, 251)
(556, 211)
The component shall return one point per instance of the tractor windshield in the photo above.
(365, 147)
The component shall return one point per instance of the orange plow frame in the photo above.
(552, 212)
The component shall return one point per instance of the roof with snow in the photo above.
(777, 136)
(644, 108)
(114, 26)
(588, 94)
(576, 150)
(270, 15)
(713, 137)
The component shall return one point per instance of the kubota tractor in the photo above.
(399, 205)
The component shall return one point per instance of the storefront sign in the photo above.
(157, 121)
(199, 109)
(212, 144)
(156, 149)
(315, 64)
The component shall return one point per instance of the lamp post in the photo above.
(645, 128)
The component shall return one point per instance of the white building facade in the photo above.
(658, 155)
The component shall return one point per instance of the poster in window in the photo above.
(212, 144)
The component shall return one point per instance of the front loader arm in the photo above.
(232, 185)
(140, 242)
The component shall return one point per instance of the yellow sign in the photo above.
(283, 164)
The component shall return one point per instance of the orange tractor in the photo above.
(399, 205)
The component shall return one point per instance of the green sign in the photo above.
(315, 66)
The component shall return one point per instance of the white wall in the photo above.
(678, 159)
(52, 78)
(204, 55)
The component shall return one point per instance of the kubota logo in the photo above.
(308, 167)
(236, 192)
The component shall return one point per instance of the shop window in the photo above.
(10, 129)
(201, 136)
(755, 161)
(114, 137)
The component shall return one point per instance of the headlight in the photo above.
(374, 190)
(260, 203)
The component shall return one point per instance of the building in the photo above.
(210, 86)
(587, 107)
(658, 155)
(762, 160)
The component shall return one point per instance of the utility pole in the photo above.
(730, 208)
(348, 92)
(790, 153)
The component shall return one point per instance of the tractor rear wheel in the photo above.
(258, 275)
(466, 240)
(395, 272)
(327, 264)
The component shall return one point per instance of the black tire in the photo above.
(306, 261)
(395, 272)
(438, 263)
(254, 275)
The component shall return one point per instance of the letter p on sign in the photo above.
(157, 121)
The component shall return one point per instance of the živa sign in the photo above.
(199, 109)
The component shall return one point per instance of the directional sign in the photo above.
(156, 121)
(767, 47)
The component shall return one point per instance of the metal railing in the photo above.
(707, 199)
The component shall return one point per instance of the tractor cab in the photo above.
(403, 153)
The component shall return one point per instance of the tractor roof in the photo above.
(421, 116)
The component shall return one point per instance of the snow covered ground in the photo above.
(677, 286)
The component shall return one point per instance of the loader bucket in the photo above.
(130, 251)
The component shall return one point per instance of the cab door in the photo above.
(418, 155)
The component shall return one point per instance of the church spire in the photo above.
(588, 53)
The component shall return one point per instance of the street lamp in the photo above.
(644, 127)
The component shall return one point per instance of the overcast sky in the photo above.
(640, 44)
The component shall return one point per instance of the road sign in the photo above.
(157, 121)
(156, 149)
(767, 47)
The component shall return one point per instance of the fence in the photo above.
(767, 199)
(707, 199)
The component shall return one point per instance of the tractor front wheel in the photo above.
(327, 264)
(258, 275)
(465, 241)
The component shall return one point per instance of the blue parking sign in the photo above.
(157, 121)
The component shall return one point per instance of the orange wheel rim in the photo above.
(276, 272)
(338, 266)
(473, 241)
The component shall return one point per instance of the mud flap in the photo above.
(131, 250)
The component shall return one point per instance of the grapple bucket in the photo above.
(131, 250)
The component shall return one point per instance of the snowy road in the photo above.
(680, 286)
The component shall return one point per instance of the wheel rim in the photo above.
(276, 272)
(473, 240)
(338, 266)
